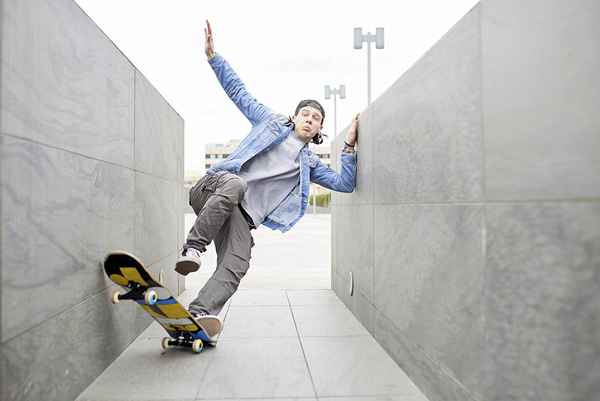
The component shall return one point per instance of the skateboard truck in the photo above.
(136, 292)
(196, 345)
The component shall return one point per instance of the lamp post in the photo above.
(341, 91)
(338, 91)
(359, 38)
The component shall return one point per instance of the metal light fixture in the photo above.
(359, 38)
(341, 91)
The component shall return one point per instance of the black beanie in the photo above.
(311, 103)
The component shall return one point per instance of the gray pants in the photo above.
(215, 199)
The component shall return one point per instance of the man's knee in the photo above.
(235, 189)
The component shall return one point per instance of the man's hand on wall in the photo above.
(352, 135)
(209, 46)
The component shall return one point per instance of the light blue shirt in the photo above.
(268, 130)
(270, 177)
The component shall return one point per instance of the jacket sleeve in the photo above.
(328, 178)
(254, 111)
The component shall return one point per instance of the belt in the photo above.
(247, 217)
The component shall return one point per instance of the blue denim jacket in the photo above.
(268, 130)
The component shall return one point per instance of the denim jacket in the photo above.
(268, 130)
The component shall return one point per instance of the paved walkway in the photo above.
(286, 335)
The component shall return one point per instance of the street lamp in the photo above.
(339, 91)
(359, 38)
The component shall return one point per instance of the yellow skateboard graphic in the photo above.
(128, 272)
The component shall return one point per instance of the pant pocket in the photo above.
(200, 191)
(241, 241)
(211, 181)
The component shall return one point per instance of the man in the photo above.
(264, 181)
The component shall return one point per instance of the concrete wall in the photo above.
(91, 161)
(474, 232)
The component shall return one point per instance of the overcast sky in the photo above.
(284, 51)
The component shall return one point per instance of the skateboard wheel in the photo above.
(197, 346)
(165, 342)
(115, 297)
(150, 297)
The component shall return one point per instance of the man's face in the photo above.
(308, 122)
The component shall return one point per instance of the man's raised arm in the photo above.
(254, 111)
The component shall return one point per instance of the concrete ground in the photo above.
(286, 335)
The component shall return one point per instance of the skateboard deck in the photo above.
(127, 271)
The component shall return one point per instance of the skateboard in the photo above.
(127, 271)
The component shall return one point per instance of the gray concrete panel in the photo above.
(143, 373)
(433, 379)
(158, 133)
(334, 234)
(63, 81)
(272, 367)
(355, 245)
(155, 217)
(61, 213)
(542, 292)
(518, 323)
(428, 279)
(428, 125)
(353, 366)
(542, 95)
(357, 303)
(57, 359)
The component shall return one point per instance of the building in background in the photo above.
(215, 152)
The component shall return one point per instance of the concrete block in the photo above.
(434, 380)
(59, 358)
(155, 217)
(542, 94)
(354, 245)
(265, 368)
(160, 377)
(542, 294)
(334, 234)
(354, 366)
(158, 133)
(357, 303)
(61, 213)
(327, 321)
(275, 321)
(428, 125)
(63, 81)
(428, 280)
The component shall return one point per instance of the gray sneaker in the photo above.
(211, 324)
(189, 262)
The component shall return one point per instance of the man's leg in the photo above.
(233, 243)
(213, 199)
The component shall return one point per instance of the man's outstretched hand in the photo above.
(209, 46)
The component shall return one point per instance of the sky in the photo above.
(284, 51)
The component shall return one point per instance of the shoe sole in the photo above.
(186, 267)
(210, 324)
